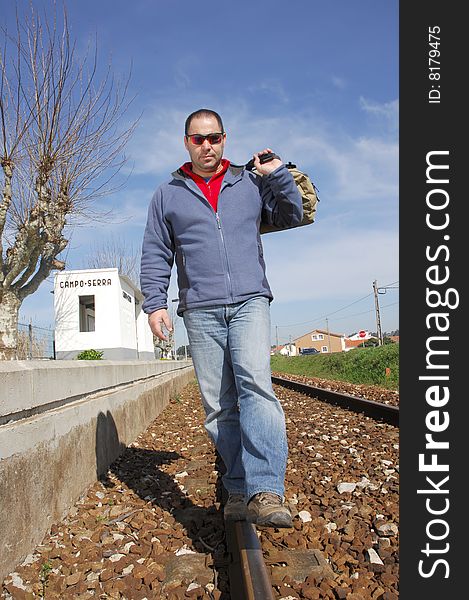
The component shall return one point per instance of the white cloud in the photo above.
(318, 263)
(389, 111)
(272, 87)
(359, 168)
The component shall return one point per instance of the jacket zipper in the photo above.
(217, 217)
(230, 289)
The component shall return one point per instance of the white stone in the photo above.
(193, 586)
(331, 527)
(128, 570)
(305, 516)
(346, 487)
(374, 557)
(128, 546)
(387, 529)
(17, 581)
(184, 550)
(364, 482)
(116, 557)
(30, 559)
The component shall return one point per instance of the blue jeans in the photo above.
(230, 347)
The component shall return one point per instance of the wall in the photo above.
(68, 338)
(336, 343)
(63, 424)
(127, 316)
(121, 328)
(146, 349)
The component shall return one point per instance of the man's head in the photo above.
(204, 140)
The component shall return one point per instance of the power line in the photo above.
(328, 314)
(366, 312)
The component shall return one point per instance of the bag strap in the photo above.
(249, 166)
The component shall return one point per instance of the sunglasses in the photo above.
(198, 139)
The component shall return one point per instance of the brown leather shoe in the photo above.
(235, 508)
(269, 510)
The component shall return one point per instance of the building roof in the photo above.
(325, 332)
(353, 343)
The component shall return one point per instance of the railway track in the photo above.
(154, 528)
(375, 410)
(249, 575)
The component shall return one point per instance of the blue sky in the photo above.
(315, 81)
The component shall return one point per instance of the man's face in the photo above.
(207, 157)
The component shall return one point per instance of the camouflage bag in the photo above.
(307, 189)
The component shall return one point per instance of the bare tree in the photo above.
(115, 253)
(60, 147)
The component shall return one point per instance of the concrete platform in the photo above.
(64, 423)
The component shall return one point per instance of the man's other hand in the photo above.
(157, 320)
(268, 167)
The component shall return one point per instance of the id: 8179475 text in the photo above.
(434, 74)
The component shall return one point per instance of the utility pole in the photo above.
(378, 319)
(328, 336)
(276, 336)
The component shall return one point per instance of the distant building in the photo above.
(323, 341)
(100, 309)
(289, 350)
(357, 339)
(284, 350)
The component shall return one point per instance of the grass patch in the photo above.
(361, 365)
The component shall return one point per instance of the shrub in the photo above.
(90, 355)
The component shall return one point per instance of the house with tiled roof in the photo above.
(322, 340)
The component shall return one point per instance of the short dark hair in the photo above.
(203, 112)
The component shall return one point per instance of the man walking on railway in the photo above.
(207, 220)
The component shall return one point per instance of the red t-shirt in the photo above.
(211, 188)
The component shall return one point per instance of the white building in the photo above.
(289, 350)
(101, 310)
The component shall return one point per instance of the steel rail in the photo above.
(376, 410)
(248, 573)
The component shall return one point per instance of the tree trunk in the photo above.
(9, 308)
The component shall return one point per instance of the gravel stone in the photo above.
(152, 526)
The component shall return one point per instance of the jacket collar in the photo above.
(232, 175)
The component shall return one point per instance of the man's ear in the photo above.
(186, 143)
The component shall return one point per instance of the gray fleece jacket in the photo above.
(218, 255)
